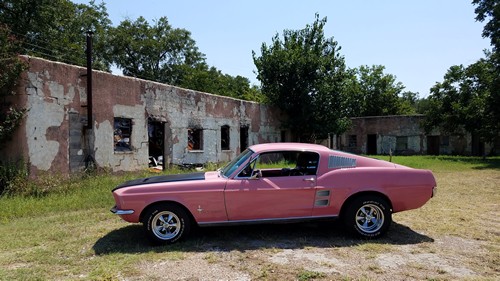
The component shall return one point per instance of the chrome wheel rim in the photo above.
(166, 225)
(369, 218)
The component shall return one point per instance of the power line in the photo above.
(54, 54)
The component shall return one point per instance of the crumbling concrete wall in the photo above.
(406, 128)
(53, 137)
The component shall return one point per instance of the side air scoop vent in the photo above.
(338, 162)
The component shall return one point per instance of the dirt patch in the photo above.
(196, 266)
(444, 258)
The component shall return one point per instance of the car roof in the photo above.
(288, 146)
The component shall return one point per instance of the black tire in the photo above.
(166, 224)
(368, 216)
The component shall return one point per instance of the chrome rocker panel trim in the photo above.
(267, 221)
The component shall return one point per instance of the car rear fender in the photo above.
(373, 193)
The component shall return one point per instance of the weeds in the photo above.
(306, 275)
(12, 175)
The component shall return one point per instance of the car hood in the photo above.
(160, 179)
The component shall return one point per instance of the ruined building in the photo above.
(133, 122)
(404, 135)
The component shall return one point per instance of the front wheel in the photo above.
(166, 224)
(368, 216)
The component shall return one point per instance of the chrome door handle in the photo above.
(309, 179)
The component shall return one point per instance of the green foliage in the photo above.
(409, 103)
(375, 93)
(9, 122)
(201, 78)
(11, 67)
(155, 52)
(55, 29)
(461, 103)
(303, 75)
(169, 55)
(306, 275)
(468, 100)
(489, 10)
(12, 174)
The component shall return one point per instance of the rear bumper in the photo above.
(119, 212)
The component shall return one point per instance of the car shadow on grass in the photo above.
(131, 239)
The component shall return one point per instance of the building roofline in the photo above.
(388, 116)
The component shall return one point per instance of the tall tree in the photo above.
(489, 11)
(409, 102)
(155, 52)
(458, 104)
(55, 29)
(10, 69)
(378, 92)
(212, 80)
(165, 54)
(468, 100)
(303, 75)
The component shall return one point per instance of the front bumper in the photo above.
(116, 211)
(434, 191)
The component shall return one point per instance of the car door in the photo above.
(276, 188)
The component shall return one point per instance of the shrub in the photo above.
(12, 174)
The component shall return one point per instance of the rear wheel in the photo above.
(368, 216)
(166, 224)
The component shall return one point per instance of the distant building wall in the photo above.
(128, 113)
(400, 135)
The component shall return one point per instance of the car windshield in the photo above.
(233, 165)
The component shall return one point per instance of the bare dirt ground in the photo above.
(320, 251)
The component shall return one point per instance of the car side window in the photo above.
(307, 163)
(247, 171)
(282, 164)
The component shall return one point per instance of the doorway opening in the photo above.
(156, 140)
(433, 145)
(243, 138)
(371, 144)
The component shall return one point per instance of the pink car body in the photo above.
(255, 187)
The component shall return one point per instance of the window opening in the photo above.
(283, 136)
(353, 141)
(401, 143)
(122, 134)
(243, 138)
(224, 137)
(445, 140)
(195, 139)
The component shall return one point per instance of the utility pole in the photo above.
(89, 80)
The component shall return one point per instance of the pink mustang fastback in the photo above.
(276, 182)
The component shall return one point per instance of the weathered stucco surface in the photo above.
(54, 137)
(388, 129)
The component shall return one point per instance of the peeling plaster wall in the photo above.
(184, 109)
(389, 128)
(53, 138)
(49, 91)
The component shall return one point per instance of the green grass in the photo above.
(68, 233)
(306, 275)
(77, 193)
(444, 163)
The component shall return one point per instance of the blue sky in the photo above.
(417, 41)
